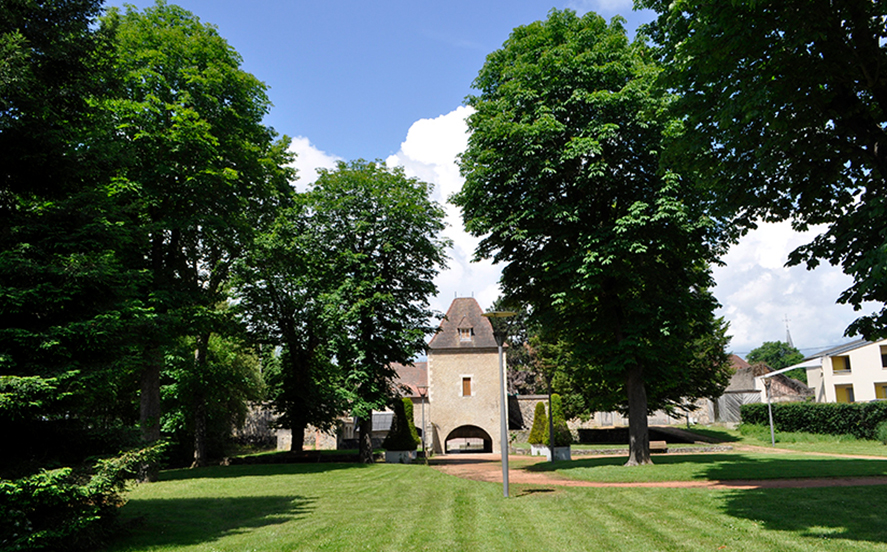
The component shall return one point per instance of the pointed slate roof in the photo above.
(464, 313)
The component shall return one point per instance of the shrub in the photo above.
(403, 434)
(65, 509)
(562, 435)
(540, 425)
(881, 432)
(857, 419)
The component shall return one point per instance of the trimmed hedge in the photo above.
(857, 419)
(403, 434)
(540, 422)
(562, 435)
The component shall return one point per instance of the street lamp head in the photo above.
(499, 331)
(422, 389)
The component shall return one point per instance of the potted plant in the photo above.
(537, 432)
(402, 439)
(562, 436)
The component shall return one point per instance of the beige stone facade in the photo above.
(463, 380)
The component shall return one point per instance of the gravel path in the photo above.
(487, 467)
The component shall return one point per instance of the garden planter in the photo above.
(400, 456)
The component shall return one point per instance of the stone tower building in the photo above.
(463, 378)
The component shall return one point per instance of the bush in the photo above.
(403, 434)
(562, 435)
(540, 422)
(64, 509)
(857, 419)
(881, 432)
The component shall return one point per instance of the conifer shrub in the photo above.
(562, 435)
(403, 434)
(540, 425)
(881, 432)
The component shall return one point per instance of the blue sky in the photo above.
(386, 80)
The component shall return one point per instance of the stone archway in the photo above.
(468, 438)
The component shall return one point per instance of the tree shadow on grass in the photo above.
(854, 513)
(247, 470)
(153, 523)
(724, 466)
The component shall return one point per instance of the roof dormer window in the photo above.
(465, 334)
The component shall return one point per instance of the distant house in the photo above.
(746, 387)
(855, 372)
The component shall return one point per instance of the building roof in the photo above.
(464, 314)
(840, 349)
(411, 376)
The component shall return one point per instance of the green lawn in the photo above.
(398, 508)
(715, 467)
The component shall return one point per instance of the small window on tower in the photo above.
(465, 334)
(466, 386)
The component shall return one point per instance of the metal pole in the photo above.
(503, 407)
(550, 424)
(423, 393)
(770, 412)
(501, 334)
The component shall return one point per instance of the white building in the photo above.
(855, 372)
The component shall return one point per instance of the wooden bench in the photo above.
(658, 446)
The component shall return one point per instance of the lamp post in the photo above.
(423, 392)
(500, 334)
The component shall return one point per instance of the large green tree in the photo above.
(65, 295)
(201, 171)
(784, 105)
(564, 183)
(778, 355)
(283, 285)
(382, 234)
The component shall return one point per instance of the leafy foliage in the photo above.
(66, 509)
(857, 419)
(784, 118)
(381, 234)
(564, 185)
(199, 170)
(778, 355)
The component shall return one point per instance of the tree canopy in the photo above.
(199, 169)
(381, 233)
(784, 106)
(564, 183)
(778, 355)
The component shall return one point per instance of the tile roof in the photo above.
(464, 313)
(411, 376)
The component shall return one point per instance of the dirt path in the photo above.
(487, 467)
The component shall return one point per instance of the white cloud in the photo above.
(603, 7)
(308, 159)
(429, 154)
(758, 292)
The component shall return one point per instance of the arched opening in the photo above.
(468, 438)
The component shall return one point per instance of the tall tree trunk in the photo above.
(200, 361)
(149, 403)
(638, 434)
(365, 440)
(298, 430)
